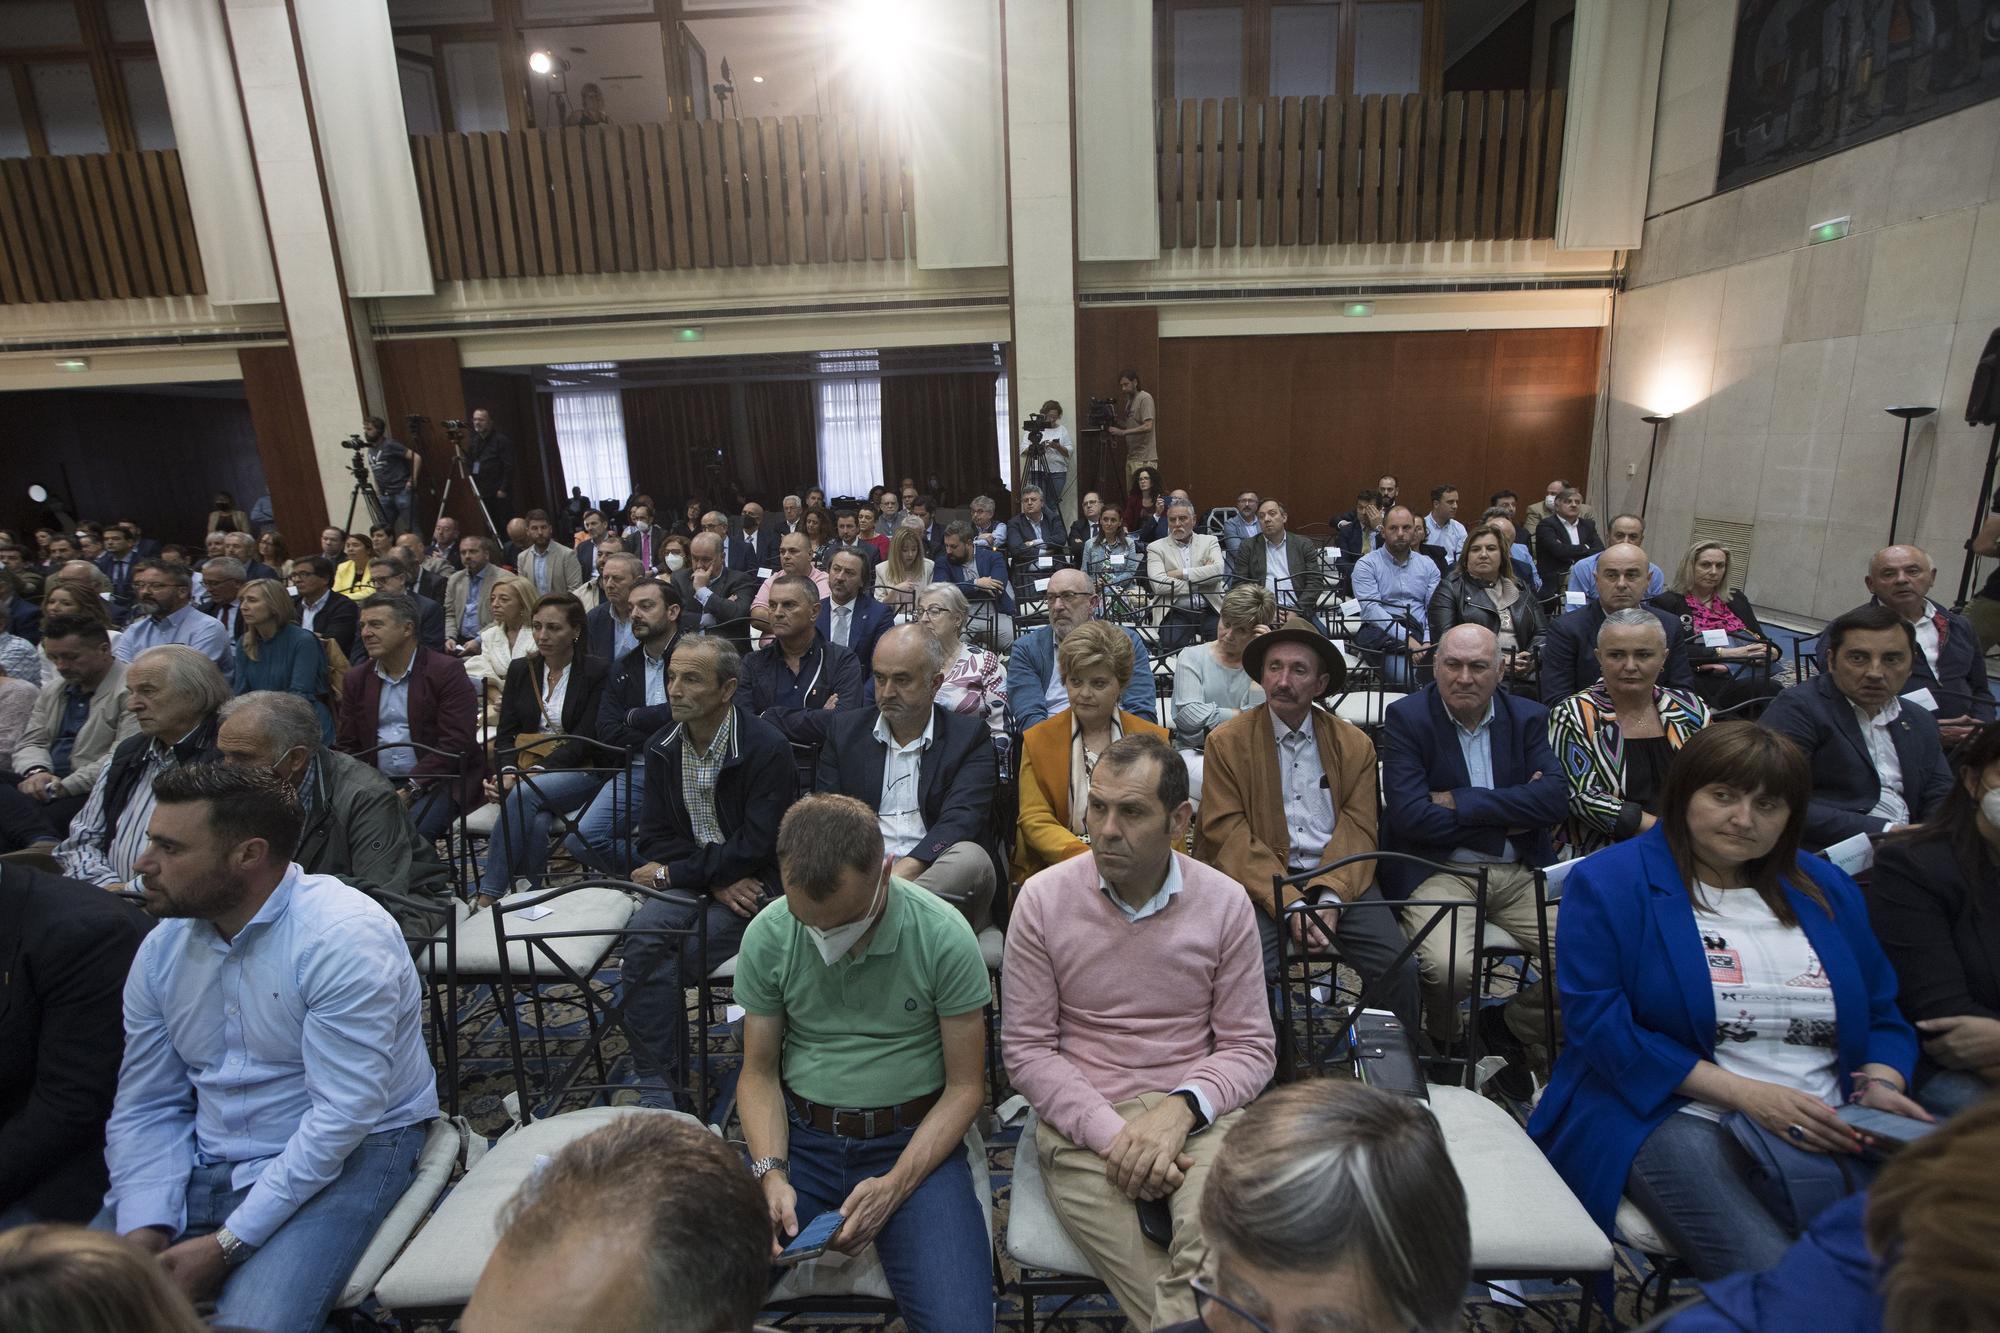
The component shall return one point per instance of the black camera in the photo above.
(1034, 426)
(354, 442)
(1103, 414)
(454, 425)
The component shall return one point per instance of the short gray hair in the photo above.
(1633, 618)
(1332, 1174)
(949, 594)
(189, 674)
(1027, 491)
(1188, 505)
(285, 718)
(636, 562)
(223, 569)
(981, 502)
(727, 661)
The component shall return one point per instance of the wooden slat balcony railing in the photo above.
(679, 195)
(96, 227)
(1271, 171)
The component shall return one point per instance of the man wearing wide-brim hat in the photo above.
(1288, 787)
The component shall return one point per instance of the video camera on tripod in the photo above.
(1036, 425)
(1102, 416)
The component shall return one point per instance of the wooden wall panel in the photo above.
(1108, 341)
(1313, 418)
(421, 376)
(285, 444)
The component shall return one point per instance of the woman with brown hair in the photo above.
(1722, 993)
(277, 653)
(57, 1279)
(1481, 589)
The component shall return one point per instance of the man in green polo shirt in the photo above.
(864, 1055)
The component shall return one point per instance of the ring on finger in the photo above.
(1797, 1133)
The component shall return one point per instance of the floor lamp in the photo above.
(1909, 415)
(1657, 420)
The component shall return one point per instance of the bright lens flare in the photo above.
(541, 62)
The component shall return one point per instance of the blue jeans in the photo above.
(290, 1284)
(1689, 1179)
(658, 970)
(397, 511)
(602, 838)
(935, 1249)
(520, 843)
(1945, 1092)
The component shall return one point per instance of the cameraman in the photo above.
(1047, 464)
(1135, 427)
(489, 456)
(396, 470)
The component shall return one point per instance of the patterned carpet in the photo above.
(486, 1076)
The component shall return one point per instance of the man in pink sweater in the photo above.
(1136, 1025)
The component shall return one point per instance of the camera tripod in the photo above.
(457, 439)
(364, 489)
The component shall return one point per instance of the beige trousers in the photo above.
(1510, 905)
(964, 873)
(1149, 1283)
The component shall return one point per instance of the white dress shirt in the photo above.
(1890, 805)
(1927, 634)
(901, 809)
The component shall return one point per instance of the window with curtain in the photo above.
(1003, 421)
(850, 424)
(590, 436)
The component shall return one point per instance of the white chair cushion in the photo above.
(443, 1263)
(603, 912)
(1035, 1235)
(481, 822)
(724, 970)
(442, 1148)
(861, 1274)
(1524, 1219)
(1634, 1228)
(992, 947)
(1365, 707)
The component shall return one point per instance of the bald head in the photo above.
(1072, 600)
(1467, 670)
(1621, 576)
(1900, 577)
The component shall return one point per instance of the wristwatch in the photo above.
(1194, 1109)
(764, 1166)
(234, 1249)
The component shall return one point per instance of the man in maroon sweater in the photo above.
(404, 692)
(1136, 1086)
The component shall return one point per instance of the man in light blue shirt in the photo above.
(163, 612)
(1625, 528)
(1394, 584)
(1240, 526)
(275, 1092)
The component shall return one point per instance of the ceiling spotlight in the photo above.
(542, 62)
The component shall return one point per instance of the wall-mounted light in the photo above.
(1830, 230)
(1358, 309)
(73, 364)
(1908, 416)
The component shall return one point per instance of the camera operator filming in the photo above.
(1046, 455)
(1135, 426)
(396, 468)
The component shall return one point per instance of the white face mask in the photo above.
(1989, 805)
(833, 944)
(674, 561)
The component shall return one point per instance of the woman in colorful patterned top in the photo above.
(975, 680)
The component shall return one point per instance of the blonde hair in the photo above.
(1094, 644)
(275, 597)
(1684, 576)
(62, 1279)
(906, 554)
(1249, 604)
(524, 593)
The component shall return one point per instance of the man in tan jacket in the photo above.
(1288, 787)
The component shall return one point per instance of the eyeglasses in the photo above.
(934, 612)
(1219, 1314)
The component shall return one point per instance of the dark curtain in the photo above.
(940, 430)
(518, 414)
(781, 456)
(672, 437)
(558, 485)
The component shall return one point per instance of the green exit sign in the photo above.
(1831, 230)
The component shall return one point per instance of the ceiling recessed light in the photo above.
(756, 78)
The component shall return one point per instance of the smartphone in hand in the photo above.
(813, 1240)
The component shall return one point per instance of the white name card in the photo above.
(763, 573)
(1045, 561)
(1715, 638)
(1041, 585)
(1922, 698)
(1852, 855)
(1350, 608)
(1118, 560)
(1574, 599)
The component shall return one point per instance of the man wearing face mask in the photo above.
(863, 1064)
(355, 828)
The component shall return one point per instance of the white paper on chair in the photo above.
(1715, 638)
(1574, 599)
(1554, 876)
(732, 1013)
(1045, 561)
(1853, 855)
(763, 573)
(1922, 698)
(1041, 585)
(1349, 609)
(535, 913)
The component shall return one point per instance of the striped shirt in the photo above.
(79, 853)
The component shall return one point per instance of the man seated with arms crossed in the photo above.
(718, 780)
(355, 828)
(607, 629)
(174, 691)
(1136, 1086)
(648, 1225)
(1037, 530)
(1288, 787)
(1877, 763)
(1186, 568)
(929, 772)
(76, 722)
(1468, 778)
(1626, 530)
(468, 593)
(849, 616)
(1949, 661)
(796, 680)
(275, 1091)
(323, 611)
(795, 558)
(1034, 686)
(864, 1062)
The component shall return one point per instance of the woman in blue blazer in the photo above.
(1635, 1104)
(277, 653)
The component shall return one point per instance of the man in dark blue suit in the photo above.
(982, 574)
(117, 562)
(1468, 777)
(927, 772)
(1876, 760)
(1569, 653)
(848, 616)
(1949, 661)
(752, 546)
(607, 630)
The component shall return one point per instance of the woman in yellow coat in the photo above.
(1094, 662)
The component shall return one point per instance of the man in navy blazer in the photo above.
(1569, 653)
(1031, 666)
(866, 619)
(982, 574)
(607, 630)
(753, 543)
(1949, 661)
(927, 772)
(1468, 777)
(1851, 722)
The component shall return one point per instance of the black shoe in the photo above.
(1516, 1079)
